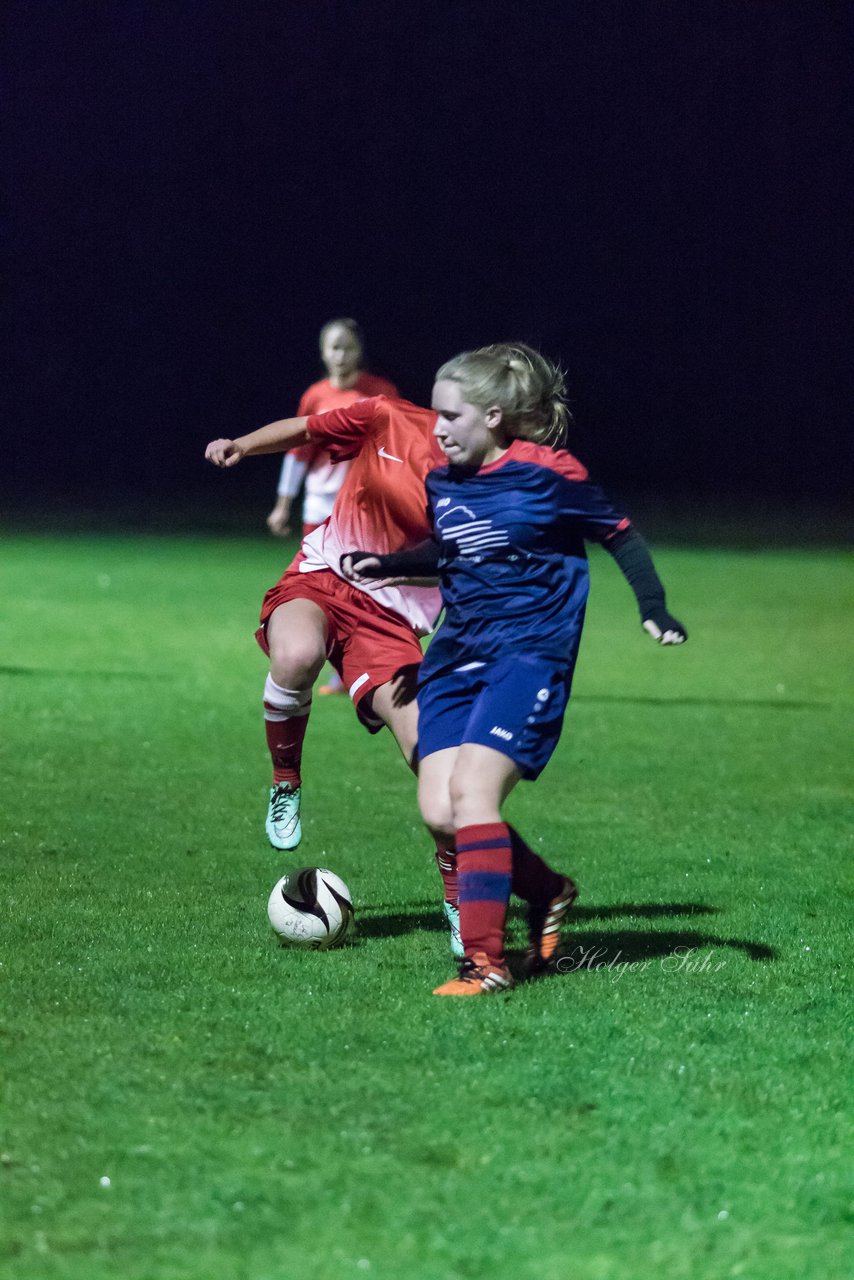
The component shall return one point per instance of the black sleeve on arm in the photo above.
(418, 562)
(632, 555)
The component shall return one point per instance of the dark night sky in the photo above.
(652, 192)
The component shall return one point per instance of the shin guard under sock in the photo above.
(285, 721)
(484, 869)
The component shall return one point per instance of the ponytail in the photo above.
(528, 388)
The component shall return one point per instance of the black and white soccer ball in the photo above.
(311, 908)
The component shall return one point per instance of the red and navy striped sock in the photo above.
(533, 878)
(484, 871)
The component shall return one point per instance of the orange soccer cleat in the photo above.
(478, 976)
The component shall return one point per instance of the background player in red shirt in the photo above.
(310, 467)
(342, 349)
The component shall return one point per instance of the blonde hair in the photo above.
(528, 388)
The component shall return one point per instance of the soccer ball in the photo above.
(311, 908)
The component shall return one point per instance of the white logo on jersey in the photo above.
(443, 502)
(465, 510)
(501, 733)
(390, 456)
(472, 536)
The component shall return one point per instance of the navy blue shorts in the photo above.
(513, 704)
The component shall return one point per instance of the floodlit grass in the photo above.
(671, 1106)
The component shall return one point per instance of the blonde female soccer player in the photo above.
(510, 511)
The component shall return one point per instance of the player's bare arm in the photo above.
(276, 437)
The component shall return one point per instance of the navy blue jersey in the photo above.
(514, 573)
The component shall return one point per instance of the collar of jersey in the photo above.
(499, 462)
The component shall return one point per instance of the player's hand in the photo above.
(664, 628)
(224, 453)
(357, 566)
(278, 522)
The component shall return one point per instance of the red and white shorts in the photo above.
(367, 644)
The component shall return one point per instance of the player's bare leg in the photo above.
(296, 635)
(462, 788)
(467, 786)
(480, 782)
(394, 703)
(434, 801)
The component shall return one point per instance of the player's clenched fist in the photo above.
(224, 453)
(664, 628)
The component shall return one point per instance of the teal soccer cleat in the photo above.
(284, 830)
(452, 915)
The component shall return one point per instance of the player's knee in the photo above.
(296, 661)
(462, 786)
(459, 798)
(440, 824)
(442, 833)
(436, 811)
(470, 801)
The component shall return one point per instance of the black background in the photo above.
(652, 192)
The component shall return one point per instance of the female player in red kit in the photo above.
(310, 468)
(368, 631)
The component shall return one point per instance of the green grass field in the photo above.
(671, 1107)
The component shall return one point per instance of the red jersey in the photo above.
(311, 464)
(322, 396)
(382, 503)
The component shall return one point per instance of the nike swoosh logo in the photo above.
(390, 456)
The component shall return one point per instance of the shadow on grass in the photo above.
(426, 915)
(680, 948)
(400, 922)
(675, 950)
(646, 910)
